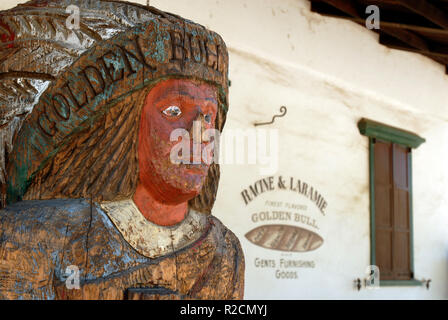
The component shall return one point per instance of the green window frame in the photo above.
(379, 131)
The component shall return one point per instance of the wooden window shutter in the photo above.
(383, 209)
(401, 241)
(392, 225)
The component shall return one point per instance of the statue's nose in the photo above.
(198, 126)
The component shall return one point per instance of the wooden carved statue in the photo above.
(89, 190)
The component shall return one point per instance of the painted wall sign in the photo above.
(270, 184)
(284, 238)
(286, 227)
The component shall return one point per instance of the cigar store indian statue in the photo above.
(89, 192)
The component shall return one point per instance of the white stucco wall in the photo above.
(329, 73)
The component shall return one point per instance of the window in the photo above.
(391, 201)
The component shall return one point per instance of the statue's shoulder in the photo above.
(223, 231)
(46, 211)
(38, 219)
(227, 239)
(231, 266)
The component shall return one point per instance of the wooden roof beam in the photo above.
(407, 37)
(438, 56)
(350, 7)
(347, 6)
(329, 12)
(439, 52)
(427, 10)
(393, 35)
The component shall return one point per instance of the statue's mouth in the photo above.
(197, 168)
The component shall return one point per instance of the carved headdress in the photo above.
(71, 98)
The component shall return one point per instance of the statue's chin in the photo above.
(175, 183)
(190, 185)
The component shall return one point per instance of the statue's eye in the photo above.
(208, 118)
(172, 111)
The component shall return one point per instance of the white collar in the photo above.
(149, 239)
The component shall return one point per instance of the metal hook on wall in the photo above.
(426, 283)
(283, 111)
(358, 284)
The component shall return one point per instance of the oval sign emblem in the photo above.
(285, 238)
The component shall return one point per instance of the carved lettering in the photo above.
(89, 86)
(77, 104)
(186, 47)
(95, 79)
(178, 51)
(109, 67)
(212, 53)
(51, 124)
(61, 106)
(195, 50)
(139, 58)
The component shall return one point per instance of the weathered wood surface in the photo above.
(71, 104)
(40, 239)
(88, 89)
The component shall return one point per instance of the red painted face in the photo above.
(173, 104)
